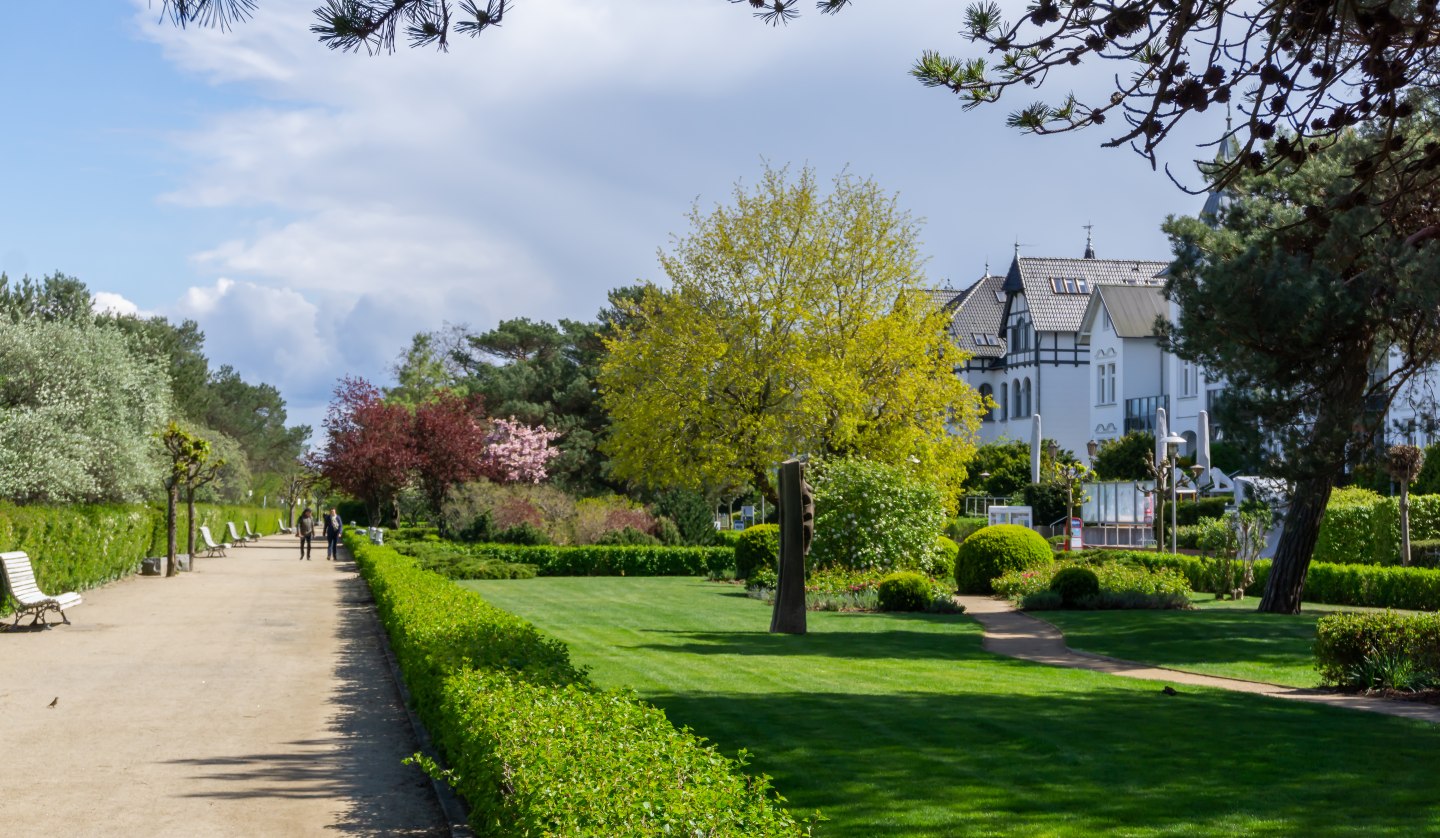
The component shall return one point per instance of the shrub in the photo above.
(1046, 501)
(629, 536)
(757, 547)
(1074, 584)
(1425, 552)
(994, 550)
(762, 578)
(1121, 585)
(492, 690)
(904, 591)
(522, 533)
(959, 529)
(943, 565)
(726, 538)
(667, 533)
(1192, 513)
(1373, 651)
(692, 514)
(872, 515)
(1347, 532)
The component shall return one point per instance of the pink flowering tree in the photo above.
(517, 453)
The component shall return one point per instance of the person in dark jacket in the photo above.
(333, 528)
(305, 528)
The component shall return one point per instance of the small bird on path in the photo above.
(52, 704)
(1169, 690)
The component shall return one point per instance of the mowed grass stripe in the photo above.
(899, 725)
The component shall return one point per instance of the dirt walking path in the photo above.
(1018, 635)
(250, 697)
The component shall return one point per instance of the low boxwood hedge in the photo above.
(532, 746)
(1378, 650)
(611, 560)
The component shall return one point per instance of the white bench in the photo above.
(211, 548)
(250, 535)
(235, 537)
(20, 582)
(284, 529)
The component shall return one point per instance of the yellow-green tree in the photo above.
(793, 325)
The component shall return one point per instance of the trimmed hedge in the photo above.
(758, 547)
(1190, 513)
(1362, 527)
(602, 560)
(990, 552)
(75, 548)
(1378, 650)
(533, 747)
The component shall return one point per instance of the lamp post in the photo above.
(1172, 448)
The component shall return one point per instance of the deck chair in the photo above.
(20, 582)
(211, 548)
(235, 537)
(284, 529)
(250, 535)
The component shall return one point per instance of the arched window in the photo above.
(1015, 402)
(987, 392)
(1004, 402)
(1029, 405)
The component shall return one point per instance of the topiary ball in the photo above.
(904, 591)
(995, 550)
(1074, 584)
(757, 547)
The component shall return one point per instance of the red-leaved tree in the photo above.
(369, 451)
(449, 439)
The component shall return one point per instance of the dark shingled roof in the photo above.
(1133, 308)
(941, 298)
(1052, 312)
(978, 312)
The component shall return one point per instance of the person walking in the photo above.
(305, 528)
(333, 526)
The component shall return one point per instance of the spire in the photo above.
(1089, 241)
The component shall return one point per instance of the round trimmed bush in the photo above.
(942, 565)
(1074, 584)
(757, 547)
(995, 550)
(904, 591)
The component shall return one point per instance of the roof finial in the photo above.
(987, 265)
(1017, 247)
(1089, 241)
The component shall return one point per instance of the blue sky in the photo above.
(312, 210)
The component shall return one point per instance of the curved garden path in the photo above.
(251, 697)
(1018, 635)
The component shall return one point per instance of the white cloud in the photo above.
(106, 302)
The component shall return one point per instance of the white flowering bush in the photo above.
(78, 413)
(870, 515)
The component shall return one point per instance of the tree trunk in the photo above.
(1404, 521)
(767, 490)
(190, 524)
(172, 499)
(1286, 585)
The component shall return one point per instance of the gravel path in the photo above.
(250, 697)
(1018, 635)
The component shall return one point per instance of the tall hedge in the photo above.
(1362, 527)
(75, 548)
(532, 746)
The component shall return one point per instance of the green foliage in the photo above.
(1007, 463)
(727, 538)
(691, 514)
(757, 547)
(942, 566)
(904, 591)
(960, 528)
(1074, 584)
(1046, 501)
(1428, 483)
(524, 533)
(996, 550)
(1348, 532)
(1192, 513)
(872, 515)
(627, 536)
(1425, 552)
(493, 692)
(1124, 458)
(1122, 585)
(667, 533)
(600, 560)
(1378, 651)
(790, 323)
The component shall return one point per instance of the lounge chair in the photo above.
(235, 537)
(211, 548)
(20, 582)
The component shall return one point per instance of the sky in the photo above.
(313, 210)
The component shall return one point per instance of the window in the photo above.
(987, 392)
(1099, 384)
(1109, 383)
(1004, 401)
(982, 339)
(1069, 285)
(1015, 403)
(1000, 297)
(1188, 380)
(1082, 287)
(1029, 405)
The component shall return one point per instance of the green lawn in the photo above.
(900, 725)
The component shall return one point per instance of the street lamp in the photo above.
(1090, 448)
(1172, 448)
